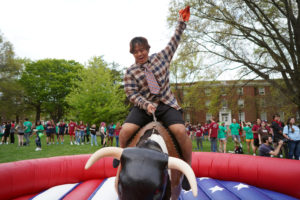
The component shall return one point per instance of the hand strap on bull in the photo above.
(155, 120)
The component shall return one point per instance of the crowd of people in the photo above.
(262, 138)
(79, 133)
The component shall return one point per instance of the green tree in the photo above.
(260, 37)
(47, 82)
(11, 92)
(98, 96)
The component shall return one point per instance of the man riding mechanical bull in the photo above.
(143, 173)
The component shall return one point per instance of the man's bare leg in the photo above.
(185, 143)
(128, 129)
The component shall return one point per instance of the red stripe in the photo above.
(84, 190)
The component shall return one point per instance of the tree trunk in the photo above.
(17, 118)
(38, 113)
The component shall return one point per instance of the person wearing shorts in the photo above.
(222, 137)
(146, 84)
(71, 128)
(255, 129)
(61, 131)
(20, 130)
(234, 128)
(249, 136)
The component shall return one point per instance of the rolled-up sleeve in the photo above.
(168, 52)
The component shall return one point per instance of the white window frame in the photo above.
(184, 93)
(208, 116)
(224, 101)
(187, 117)
(241, 103)
(263, 116)
(242, 116)
(240, 91)
(281, 113)
(223, 92)
(261, 91)
(207, 92)
(207, 103)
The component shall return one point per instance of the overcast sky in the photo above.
(80, 29)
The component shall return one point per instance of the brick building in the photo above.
(243, 100)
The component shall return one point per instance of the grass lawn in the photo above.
(11, 152)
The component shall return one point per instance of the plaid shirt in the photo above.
(135, 83)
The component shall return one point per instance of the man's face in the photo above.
(270, 140)
(258, 121)
(234, 120)
(140, 54)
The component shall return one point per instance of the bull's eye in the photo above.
(157, 195)
(157, 191)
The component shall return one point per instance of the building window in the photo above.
(240, 91)
(223, 92)
(207, 103)
(281, 114)
(208, 116)
(187, 117)
(207, 92)
(261, 91)
(262, 103)
(241, 116)
(224, 103)
(185, 93)
(263, 116)
(241, 103)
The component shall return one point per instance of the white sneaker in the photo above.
(254, 154)
(6, 142)
(36, 149)
(281, 156)
(0, 143)
(52, 142)
(71, 143)
(92, 145)
(82, 143)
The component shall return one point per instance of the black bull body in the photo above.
(150, 167)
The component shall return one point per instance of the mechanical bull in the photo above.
(150, 167)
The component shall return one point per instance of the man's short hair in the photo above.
(140, 41)
(276, 115)
(265, 138)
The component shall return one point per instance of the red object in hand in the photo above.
(185, 13)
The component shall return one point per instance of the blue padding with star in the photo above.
(209, 188)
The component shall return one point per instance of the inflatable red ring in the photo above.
(24, 179)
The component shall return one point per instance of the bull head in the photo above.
(143, 172)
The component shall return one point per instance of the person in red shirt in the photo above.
(117, 133)
(71, 128)
(213, 134)
(199, 136)
(81, 128)
(206, 129)
(255, 129)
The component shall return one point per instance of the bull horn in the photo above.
(115, 152)
(183, 167)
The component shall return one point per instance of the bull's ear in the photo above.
(185, 184)
(116, 163)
